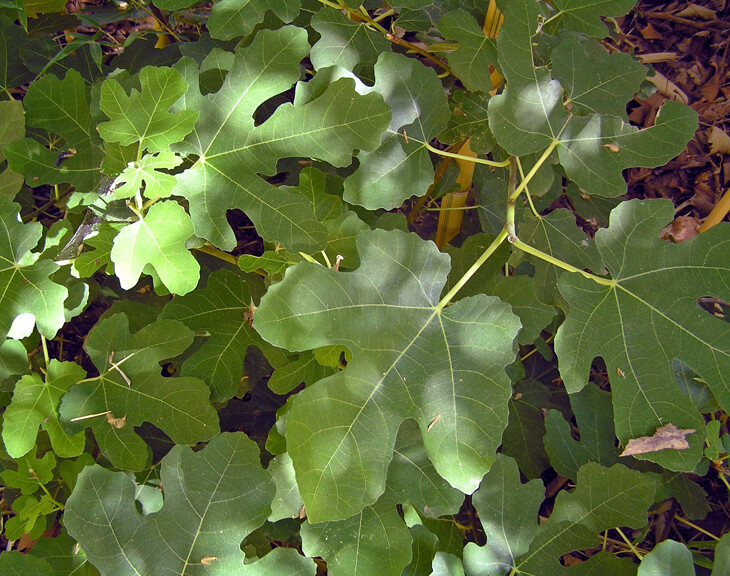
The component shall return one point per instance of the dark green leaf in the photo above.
(213, 499)
(646, 317)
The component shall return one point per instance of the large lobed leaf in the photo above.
(213, 499)
(232, 151)
(530, 115)
(645, 319)
(130, 390)
(411, 358)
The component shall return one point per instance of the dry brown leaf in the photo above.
(650, 33)
(668, 88)
(697, 11)
(681, 229)
(667, 437)
(116, 422)
(719, 141)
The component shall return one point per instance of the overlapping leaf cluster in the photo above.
(415, 376)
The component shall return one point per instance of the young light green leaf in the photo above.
(476, 52)
(35, 403)
(233, 18)
(130, 390)
(224, 312)
(345, 42)
(213, 499)
(27, 294)
(147, 173)
(411, 358)
(648, 316)
(31, 473)
(63, 108)
(232, 151)
(144, 116)
(399, 169)
(157, 240)
(668, 558)
(89, 261)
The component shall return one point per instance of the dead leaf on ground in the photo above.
(719, 141)
(697, 11)
(667, 437)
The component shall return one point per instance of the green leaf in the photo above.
(594, 417)
(232, 151)
(605, 82)
(13, 359)
(377, 541)
(287, 503)
(399, 169)
(89, 261)
(213, 499)
(411, 358)
(722, 556)
(65, 556)
(13, 72)
(27, 294)
(508, 511)
(530, 116)
(62, 108)
(648, 316)
(476, 52)
(31, 473)
(422, 552)
(557, 235)
(522, 439)
(518, 291)
(345, 43)
(668, 558)
(144, 115)
(157, 240)
(130, 386)
(469, 120)
(604, 498)
(223, 312)
(12, 124)
(30, 518)
(34, 404)
(233, 18)
(281, 561)
(447, 565)
(146, 175)
(584, 16)
(13, 562)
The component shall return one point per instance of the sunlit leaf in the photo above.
(27, 295)
(231, 150)
(410, 358)
(233, 18)
(35, 403)
(157, 240)
(144, 115)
